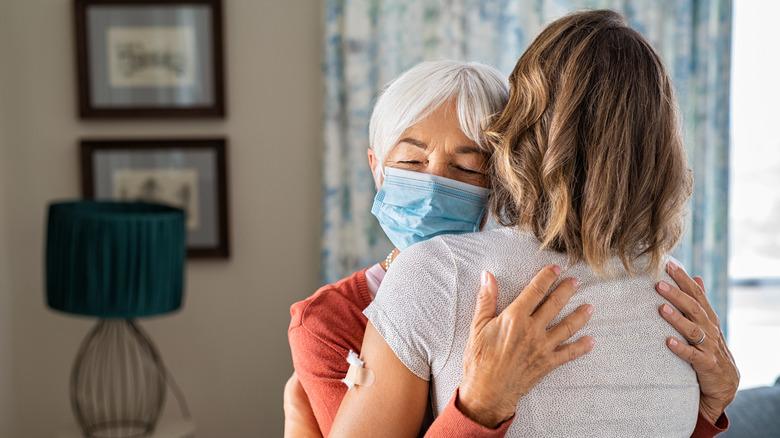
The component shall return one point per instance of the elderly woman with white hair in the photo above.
(428, 155)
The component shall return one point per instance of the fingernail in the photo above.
(663, 286)
(590, 309)
(575, 282)
(592, 342)
(557, 270)
(672, 342)
(672, 267)
(666, 309)
(484, 278)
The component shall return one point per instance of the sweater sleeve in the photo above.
(706, 430)
(317, 366)
(452, 423)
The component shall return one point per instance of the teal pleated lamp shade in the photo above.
(115, 259)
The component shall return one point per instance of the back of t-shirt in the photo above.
(630, 384)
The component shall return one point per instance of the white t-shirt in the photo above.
(630, 384)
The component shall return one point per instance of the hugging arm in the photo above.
(299, 420)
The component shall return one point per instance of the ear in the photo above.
(373, 161)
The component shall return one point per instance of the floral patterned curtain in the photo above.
(368, 42)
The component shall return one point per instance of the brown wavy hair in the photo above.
(588, 152)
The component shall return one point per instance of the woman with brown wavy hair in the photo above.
(590, 179)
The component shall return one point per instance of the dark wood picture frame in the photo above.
(199, 59)
(197, 165)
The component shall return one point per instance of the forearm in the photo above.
(295, 428)
(452, 423)
(299, 421)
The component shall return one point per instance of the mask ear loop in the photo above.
(381, 173)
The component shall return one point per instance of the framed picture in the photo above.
(149, 58)
(187, 173)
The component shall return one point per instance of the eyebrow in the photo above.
(414, 142)
(468, 149)
(463, 149)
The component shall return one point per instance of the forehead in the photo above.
(441, 124)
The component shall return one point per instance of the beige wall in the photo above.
(227, 348)
(6, 391)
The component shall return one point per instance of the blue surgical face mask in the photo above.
(413, 206)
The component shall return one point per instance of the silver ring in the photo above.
(703, 337)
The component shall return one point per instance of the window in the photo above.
(754, 229)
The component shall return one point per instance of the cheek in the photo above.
(475, 180)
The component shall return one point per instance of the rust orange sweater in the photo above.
(325, 326)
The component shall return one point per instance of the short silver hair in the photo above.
(478, 90)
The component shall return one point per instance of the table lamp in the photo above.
(117, 261)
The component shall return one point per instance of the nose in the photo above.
(437, 166)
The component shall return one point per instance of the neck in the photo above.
(390, 257)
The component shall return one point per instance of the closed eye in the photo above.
(467, 170)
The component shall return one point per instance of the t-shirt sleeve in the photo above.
(415, 307)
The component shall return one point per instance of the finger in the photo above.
(690, 354)
(705, 303)
(533, 294)
(569, 326)
(557, 299)
(685, 282)
(692, 332)
(686, 304)
(569, 352)
(700, 282)
(486, 302)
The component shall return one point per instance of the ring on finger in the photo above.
(703, 337)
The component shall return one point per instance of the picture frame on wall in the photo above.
(149, 58)
(190, 174)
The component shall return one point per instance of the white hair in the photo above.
(478, 90)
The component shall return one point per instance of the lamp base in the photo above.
(118, 381)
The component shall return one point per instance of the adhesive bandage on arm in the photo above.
(357, 375)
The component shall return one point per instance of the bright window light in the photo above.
(754, 222)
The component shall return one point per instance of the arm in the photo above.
(320, 368)
(505, 358)
(711, 359)
(394, 406)
(299, 421)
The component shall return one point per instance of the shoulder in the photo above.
(484, 248)
(503, 236)
(334, 312)
(422, 255)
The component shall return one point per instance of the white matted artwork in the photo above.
(190, 174)
(174, 187)
(151, 56)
